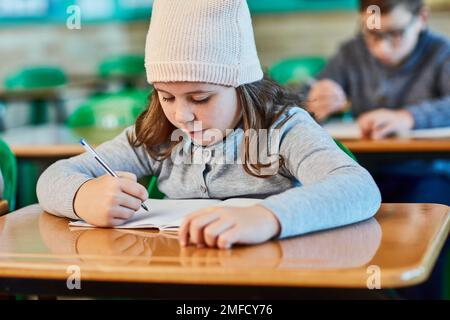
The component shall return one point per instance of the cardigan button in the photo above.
(207, 155)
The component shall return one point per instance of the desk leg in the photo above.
(2, 116)
(39, 112)
(28, 174)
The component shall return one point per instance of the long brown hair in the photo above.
(262, 102)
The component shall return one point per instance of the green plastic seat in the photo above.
(345, 149)
(299, 71)
(446, 286)
(114, 110)
(153, 191)
(38, 78)
(296, 71)
(127, 71)
(125, 66)
(8, 168)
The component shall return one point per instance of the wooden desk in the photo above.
(32, 94)
(75, 82)
(376, 153)
(3, 207)
(53, 141)
(397, 145)
(36, 249)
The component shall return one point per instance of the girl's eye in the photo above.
(200, 101)
(167, 99)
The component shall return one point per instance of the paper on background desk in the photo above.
(350, 131)
(347, 130)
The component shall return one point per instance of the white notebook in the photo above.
(349, 130)
(169, 214)
(344, 130)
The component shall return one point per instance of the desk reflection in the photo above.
(348, 247)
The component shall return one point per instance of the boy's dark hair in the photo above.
(386, 6)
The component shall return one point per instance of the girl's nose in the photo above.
(183, 113)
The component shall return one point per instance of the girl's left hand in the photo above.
(225, 226)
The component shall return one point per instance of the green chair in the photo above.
(153, 191)
(345, 149)
(446, 285)
(296, 71)
(128, 70)
(110, 111)
(126, 65)
(299, 71)
(33, 79)
(8, 168)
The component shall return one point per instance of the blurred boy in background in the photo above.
(395, 78)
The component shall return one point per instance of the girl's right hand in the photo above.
(109, 201)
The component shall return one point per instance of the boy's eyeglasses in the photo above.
(394, 37)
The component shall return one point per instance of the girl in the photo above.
(201, 59)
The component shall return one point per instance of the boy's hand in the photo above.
(326, 97)
(109, 201)
(378, 124)
(224, 226)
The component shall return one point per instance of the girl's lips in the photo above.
(196, 133)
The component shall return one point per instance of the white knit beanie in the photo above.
(201, 41)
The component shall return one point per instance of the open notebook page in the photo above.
(169, 213)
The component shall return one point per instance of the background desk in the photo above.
(398, 145)
(3, 207)
(36, 249)
(371, 153)
(53, 141)
(58, 141)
